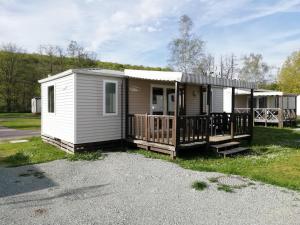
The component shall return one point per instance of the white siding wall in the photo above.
(91, 125)
(59, 124)
(192, 100)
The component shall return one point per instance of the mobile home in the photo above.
(156, 110)
(270, 107)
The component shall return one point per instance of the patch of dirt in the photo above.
(40, 212)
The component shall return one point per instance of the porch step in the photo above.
(225, 145)
(233, 151)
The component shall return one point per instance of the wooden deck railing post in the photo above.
(146, 127)
(126, 108)
(251, 119)
(176, 131)
(208, 106)
(280, 118)
(232, 126)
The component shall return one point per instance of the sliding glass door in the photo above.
(162, 100)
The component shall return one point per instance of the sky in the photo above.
(138, 31)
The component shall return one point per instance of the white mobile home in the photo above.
(269, 106)
(82, 108)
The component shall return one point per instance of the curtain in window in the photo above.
(110, 94)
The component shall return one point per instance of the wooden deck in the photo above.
(167, 134)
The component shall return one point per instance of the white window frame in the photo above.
(54, 98)
(164, 87)
(104, 97)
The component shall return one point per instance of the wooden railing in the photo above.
(270, 115)
(220, 123)
(192, 128)
(153, 128)
(242, 123)
(161, 128)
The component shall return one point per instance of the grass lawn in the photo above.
(23, 121)
(275, 159)
(34, 151)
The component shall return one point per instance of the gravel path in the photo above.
(130, 189)
(9, 133)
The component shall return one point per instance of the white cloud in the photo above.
(129, 31)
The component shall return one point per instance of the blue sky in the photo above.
(138, 31)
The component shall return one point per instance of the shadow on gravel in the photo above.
(67, 194)
(23, 179)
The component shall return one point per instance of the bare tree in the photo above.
(187, 51)
(79, 54)
(50, 51)
(253, 68)
(228, 66)
(207, 66)
(61, 56)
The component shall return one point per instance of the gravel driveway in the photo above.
(130, 189)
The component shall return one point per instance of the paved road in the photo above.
(8, 133)
(130, 189)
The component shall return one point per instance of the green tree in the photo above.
(10, 57)
(289, 76)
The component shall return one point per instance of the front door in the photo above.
(157, 101)
(162, 100)
(170, 101)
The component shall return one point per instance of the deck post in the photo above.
(184, 99)
(176, 136)
(126, 107)
(201, 99)
(280, 114)
(295, 122)
(208, 107)
(232, 112)
(251, 119)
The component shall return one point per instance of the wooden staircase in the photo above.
(228, 148)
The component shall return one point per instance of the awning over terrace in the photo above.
(188, 78)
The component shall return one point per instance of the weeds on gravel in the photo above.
(213, 179)
(226, 188)
(86, 156)
(199, 185)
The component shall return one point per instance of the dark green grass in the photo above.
(36, 151)
(23, 121)
(199, 185)
(275, 158)
(32, 152)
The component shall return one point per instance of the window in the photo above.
(51, 99)
(110, 97)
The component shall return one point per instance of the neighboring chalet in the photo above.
(270, 107)
(36, 105)
(155, 110)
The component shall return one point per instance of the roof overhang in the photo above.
(101, 72)
(169, 76)
(188, 78)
